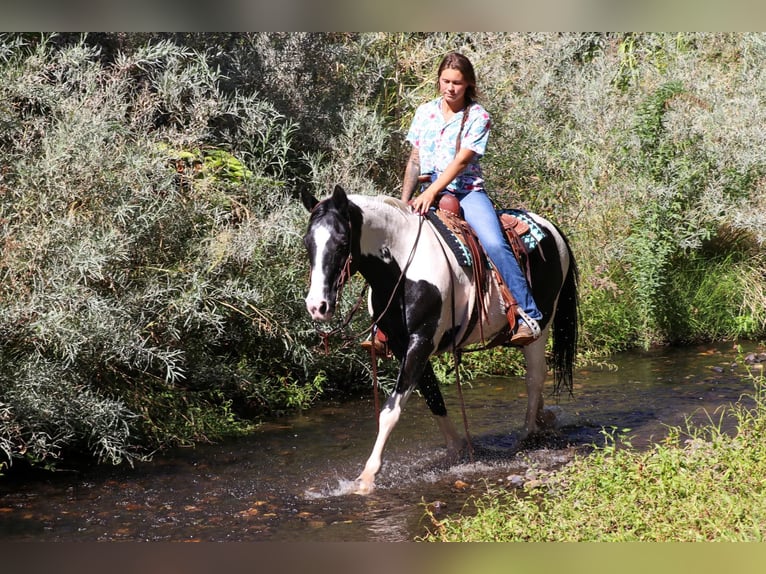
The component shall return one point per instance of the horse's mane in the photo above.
(395, 202)
(373, 201)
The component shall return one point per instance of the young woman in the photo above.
(449, 136)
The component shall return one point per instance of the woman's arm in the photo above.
(411, 173)
(422, 202)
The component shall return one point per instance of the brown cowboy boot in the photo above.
(525, 334)
(380, 341)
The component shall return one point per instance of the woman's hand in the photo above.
(423, 202)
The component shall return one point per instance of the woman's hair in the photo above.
(456, 61)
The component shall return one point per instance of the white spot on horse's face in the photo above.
(318, 300)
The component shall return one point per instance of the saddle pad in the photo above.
(530, 238)
(458, 248)
(536, 233)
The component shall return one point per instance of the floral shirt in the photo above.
(436, 137)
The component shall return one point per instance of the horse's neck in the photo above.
(388, 228)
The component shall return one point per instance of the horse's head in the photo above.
(328, 243)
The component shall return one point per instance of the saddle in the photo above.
(464, 243)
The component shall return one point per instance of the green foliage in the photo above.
(151, 254)
(712, 298)
(612, 324)
(498, 361)
(650, 126)
(131, 289)
(667, 225)
(44, 417)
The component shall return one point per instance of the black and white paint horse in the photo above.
(393, 248)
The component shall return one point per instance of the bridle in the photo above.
(340, 282)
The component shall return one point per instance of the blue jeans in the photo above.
(481, 216)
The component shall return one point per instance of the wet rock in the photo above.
(316, 524)
(516, 480)
(754, 358)
(460, 485)
(717, 369)
(436, 507)
(532, 484)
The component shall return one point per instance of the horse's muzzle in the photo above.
(319, 309)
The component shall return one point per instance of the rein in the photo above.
(343, 278)
(401, 276)
(373, 325)
(457, 355)
(325, 335)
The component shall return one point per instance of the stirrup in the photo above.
(379, 342)
(527, 332)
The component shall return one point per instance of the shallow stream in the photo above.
(286, 481)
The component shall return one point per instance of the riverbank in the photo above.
(698, 484)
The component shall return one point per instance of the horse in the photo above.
(425, 302)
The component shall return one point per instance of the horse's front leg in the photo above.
(410, 372)
(429, 386)
(389, 416)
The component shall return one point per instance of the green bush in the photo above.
(133, 286)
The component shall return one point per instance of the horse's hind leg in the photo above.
(534, 353)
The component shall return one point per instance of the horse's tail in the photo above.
(565, 327)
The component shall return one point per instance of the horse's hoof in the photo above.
(456, 453)
(547, 419)
(363, 488)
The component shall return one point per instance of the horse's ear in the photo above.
(309, 201)
(339, 198)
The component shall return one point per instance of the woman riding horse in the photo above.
(421, 296)
(449, 135)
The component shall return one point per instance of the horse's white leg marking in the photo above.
(389, 416)
(455, 442)
(534, 353)
(316, 299)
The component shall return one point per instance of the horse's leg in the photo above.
(410, 372)
(389, 416)
(429, 386)
(534, 353)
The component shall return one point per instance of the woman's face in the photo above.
(452, 86)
